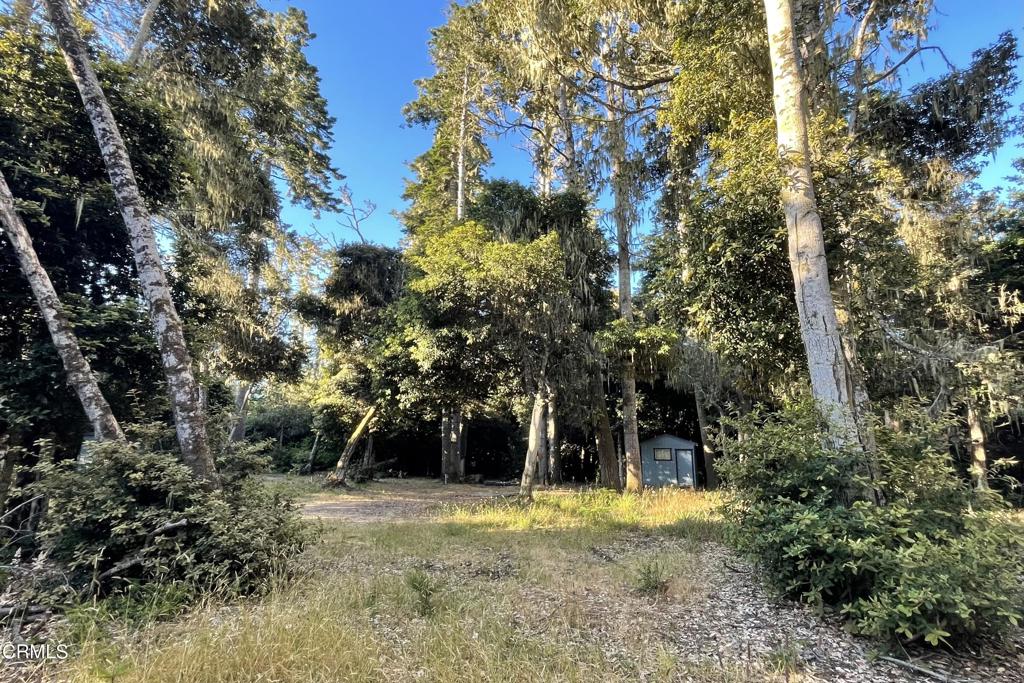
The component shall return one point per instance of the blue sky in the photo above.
(369, 54)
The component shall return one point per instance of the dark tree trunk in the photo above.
(608, 462)
(706, 446)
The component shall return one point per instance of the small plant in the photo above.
(424, 590)
(651, 578)
(785, 658)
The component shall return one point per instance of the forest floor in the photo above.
(416, 581)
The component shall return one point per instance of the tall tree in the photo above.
(79, 373)
(831, 377)
(185, 393)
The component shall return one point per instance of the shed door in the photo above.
(684, 466)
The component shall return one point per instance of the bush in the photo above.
(136, 515)
(933, 562)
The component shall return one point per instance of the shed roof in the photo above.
(667, 436)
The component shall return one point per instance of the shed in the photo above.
(668, 461)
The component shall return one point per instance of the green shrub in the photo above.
(933, 562)
(134, 515)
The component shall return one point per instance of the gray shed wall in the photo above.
(679, 471)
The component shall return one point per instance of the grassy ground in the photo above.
(485, 591)
(418, 581)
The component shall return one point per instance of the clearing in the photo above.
(414, 580)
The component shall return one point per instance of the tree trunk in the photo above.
(706, 446)
(463, 436)
(12, 458)
(446, 443)
(535, 446)
(451, 444)
(460, 182)
(831, 382)
(979, 459)
(79, 373)
(340, 474)
(143, 35)
(554, 452)
(308, 469)
(543, 457)
(623, 235)
(455, 439)
(608, 462)
(242, 395)
(571, 171)
(367, 466)
(190, 421)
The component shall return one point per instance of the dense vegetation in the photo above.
(744, 229)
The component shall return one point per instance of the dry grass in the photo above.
(489, 591)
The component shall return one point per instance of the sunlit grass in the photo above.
(681, 511)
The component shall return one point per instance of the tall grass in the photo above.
(682, 512)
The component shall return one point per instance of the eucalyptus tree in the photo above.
(518, 215)
(186, 398)
(52, 167)
(453, 102)
(831, 377)
(884, 181)
(615, 59)
(248, 107)
(79, 372)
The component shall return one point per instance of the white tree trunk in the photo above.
(979, 458)
(186, 399)
(571, 171)
(535, 445)
(145, 25)
(80, 377)
(460, 182)
(339, 476)
(242, 395)
(831, 381)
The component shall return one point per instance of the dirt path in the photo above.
(397, 500)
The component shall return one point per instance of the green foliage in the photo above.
(931, 563)
(650, 578)
(649, 347)
(424, 591)
(134, 515)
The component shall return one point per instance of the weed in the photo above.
(651, 578)
(424, 590)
